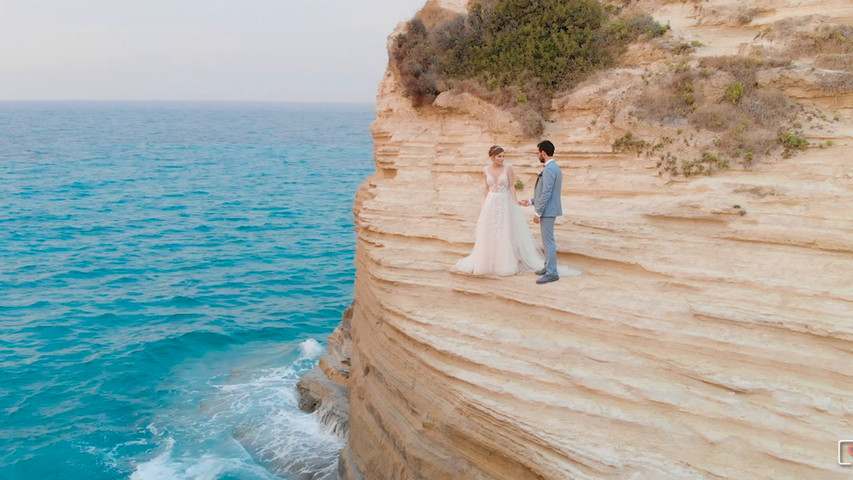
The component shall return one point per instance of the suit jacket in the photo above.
(546, 193)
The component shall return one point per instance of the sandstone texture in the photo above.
(710, 335)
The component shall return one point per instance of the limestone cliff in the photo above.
(710, 335)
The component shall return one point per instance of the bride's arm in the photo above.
(510, 176)
(485, 185)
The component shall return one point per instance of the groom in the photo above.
(546, 202)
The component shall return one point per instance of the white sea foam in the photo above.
(159, 467)
(284, 439)
(311, 348)
(167, 466)
(248, 427)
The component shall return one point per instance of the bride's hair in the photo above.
(494, 150)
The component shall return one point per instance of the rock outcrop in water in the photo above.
(322, 390)
(710, 335)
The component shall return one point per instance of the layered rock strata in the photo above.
(710, 335)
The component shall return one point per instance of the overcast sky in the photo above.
(277, 50)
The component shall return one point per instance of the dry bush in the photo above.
(836, 39)
(746, 130)
(835, 61)
(433, 15)
(753, 124)
(745, 15)
(743, 127)
(716, 118)
(526, 110)
(469, 85)
(809, 42)
(682, 77)
(746, 142)
(531, 121)
(660, 105)
(669, 103)
(765, 107)
(526, 104)
(744, 69)
(837, 83)
(414, 61)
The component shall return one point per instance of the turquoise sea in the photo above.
(167, 273)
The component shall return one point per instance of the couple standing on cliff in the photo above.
(504, 244)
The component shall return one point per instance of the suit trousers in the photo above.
(546, 227)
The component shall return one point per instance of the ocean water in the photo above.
(167, 273)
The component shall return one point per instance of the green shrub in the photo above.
(627, 143)
(734, 91)
(634, 26)
(518, 42)
(748, 125)
(515, 53)
(708, 164)
(413, 59)
(682, 49)
(792, 142)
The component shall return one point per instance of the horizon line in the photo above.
(187, 101)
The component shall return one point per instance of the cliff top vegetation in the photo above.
(733, 109)
(707, 113)
(515, 53)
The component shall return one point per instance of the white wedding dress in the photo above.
(504, 244)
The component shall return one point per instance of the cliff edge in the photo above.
(711, 333)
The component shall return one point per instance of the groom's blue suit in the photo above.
(546, 202)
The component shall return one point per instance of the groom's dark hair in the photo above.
(546, 147)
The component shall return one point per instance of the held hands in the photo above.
(526, 203)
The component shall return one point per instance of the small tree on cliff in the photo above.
(411, 55)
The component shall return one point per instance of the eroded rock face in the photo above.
(710, 335)
(323, 390)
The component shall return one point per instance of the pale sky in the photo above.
(248, 50)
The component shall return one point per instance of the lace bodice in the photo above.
(499, 184)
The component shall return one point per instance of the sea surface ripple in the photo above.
(167, 272)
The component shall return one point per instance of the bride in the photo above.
(504, 244)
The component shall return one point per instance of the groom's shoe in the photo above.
(541, 271)
(547, 278)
